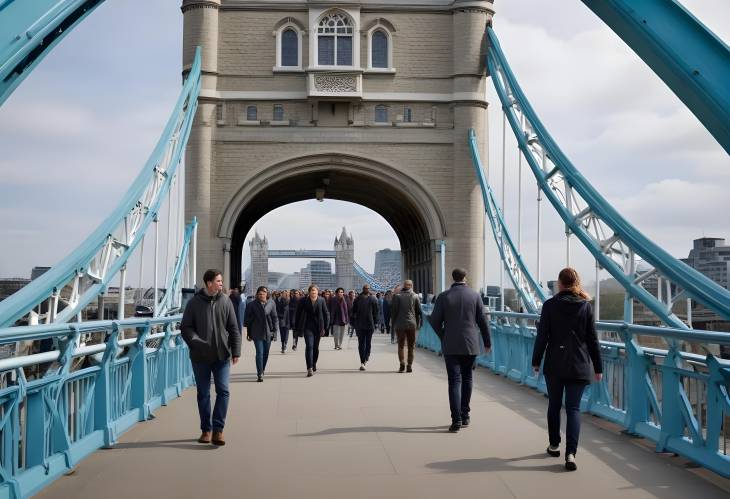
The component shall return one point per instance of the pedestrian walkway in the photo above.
(375, 434)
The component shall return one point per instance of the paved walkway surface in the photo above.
(375, 434)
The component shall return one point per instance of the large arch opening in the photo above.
(402, 201)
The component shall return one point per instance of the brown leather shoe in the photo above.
(218, 438)
(204, 438)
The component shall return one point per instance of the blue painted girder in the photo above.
(29, 29)
(691, 59)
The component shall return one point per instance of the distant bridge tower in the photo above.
(344, 260)
(259, 263)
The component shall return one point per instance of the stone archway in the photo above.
(407, 205)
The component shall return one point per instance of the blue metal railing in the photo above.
(678, 399)
(57, 407)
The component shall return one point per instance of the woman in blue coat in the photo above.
(566, 335)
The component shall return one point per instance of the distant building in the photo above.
(36, 272)
(320, 273)
(388, 265)
(710, 256)
(10, 285)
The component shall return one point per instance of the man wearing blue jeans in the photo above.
(262, 323)
(210, 329)
(458, 319)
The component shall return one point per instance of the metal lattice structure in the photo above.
(88, 270)
(615, 244)
(531, 292)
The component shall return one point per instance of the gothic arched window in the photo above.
(334, 40)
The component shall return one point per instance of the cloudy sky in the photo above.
(80, 127)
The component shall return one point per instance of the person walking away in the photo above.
(340, 315)
(365, 317)
(387, 303)
(272, 297)
(294, 296)
(381, 315)
(312, 320)
(282, 311)
(407, 320)
(239, 306)
(566, 336)
(458, 319)
(262, 324)
(327, 295)
(210, 330)
(350, 302)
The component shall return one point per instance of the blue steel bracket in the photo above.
(138, 368)
(610, 238)
(103, 389)
(683, 52)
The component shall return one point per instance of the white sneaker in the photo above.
(570, 463)
(362, 367)
(554, 451)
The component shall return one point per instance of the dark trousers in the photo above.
(284, 333)
(407, 337)
(311, 352)
(364, 343)
(459, 371)
(573, 393)
(262, 355)
(221, 371)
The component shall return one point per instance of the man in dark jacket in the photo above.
(365, 316)
(294, 296)
(262, 324)
(282, 310)
(311, 321)
(210, 329)
(458, 318)
(407, 320)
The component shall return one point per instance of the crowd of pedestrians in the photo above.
(212, 328)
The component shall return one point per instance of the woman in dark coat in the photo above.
(567, 332)
(312, 321)
(262, 324)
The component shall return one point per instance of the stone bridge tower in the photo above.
(259, 263)
(344, 260)
(367, 101)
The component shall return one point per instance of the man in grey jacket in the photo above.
(405, 313)
(210, 329)
(458, 318)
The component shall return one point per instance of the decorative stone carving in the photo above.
(335, 83)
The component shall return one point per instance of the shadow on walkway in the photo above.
(555, 465)
(186, 444)
(375, 429)
(249, 377)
